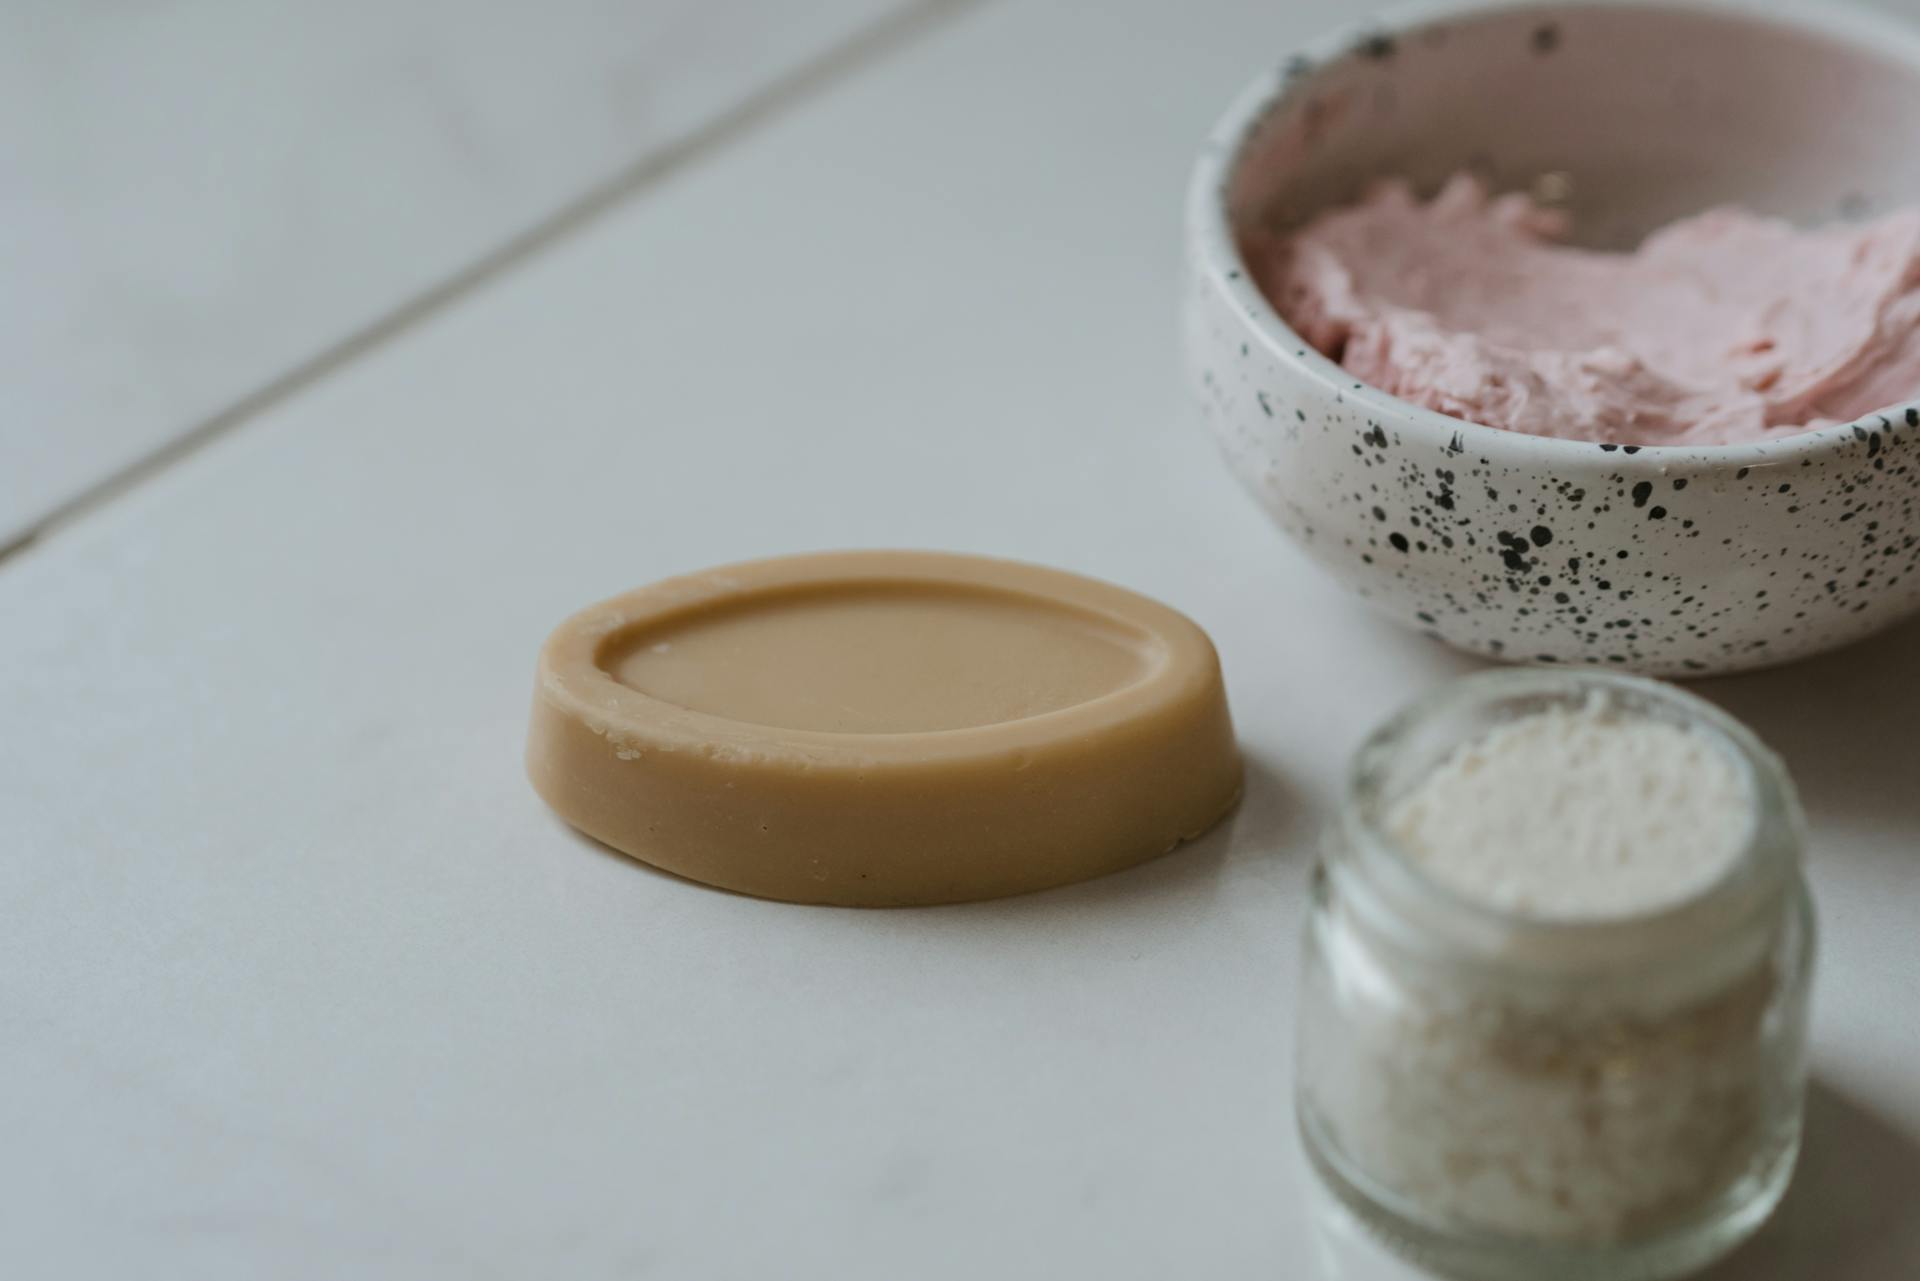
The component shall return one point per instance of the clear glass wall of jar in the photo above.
(1512, 1096)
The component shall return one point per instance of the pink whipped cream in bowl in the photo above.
(1580, 333)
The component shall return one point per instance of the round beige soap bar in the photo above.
(873, 728)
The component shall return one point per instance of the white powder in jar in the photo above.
(1578, 812)
(1603, 1109)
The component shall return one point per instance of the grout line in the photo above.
(885, 35)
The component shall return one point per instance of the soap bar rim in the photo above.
(574, 678)
(889, 819)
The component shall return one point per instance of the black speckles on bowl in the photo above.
(1673, 562)
(1678, 562)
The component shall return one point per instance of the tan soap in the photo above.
(877, 728)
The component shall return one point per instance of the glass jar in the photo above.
(1517, 1096)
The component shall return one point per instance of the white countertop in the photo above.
(299, 979)
(206, 199)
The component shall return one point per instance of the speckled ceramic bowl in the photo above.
(1665, 560)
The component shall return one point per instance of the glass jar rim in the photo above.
(1761, 872)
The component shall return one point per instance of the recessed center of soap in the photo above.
(881, 659)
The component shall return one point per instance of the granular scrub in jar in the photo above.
(1554, 1002)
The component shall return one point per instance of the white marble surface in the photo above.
(198, 196)
(298, 978)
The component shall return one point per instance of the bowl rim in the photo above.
(1218, 261)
